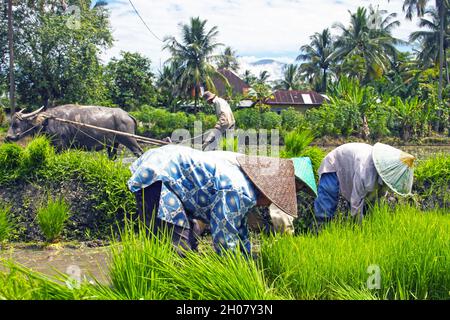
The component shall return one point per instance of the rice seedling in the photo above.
(407, 247)
(51, 218)
(5, 223)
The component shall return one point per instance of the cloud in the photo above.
(254, 28)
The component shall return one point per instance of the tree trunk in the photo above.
(12, 87)
(324, 81)
(195, 98)
(442, 10)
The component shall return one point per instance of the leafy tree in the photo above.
(193, 55)
(57, 55)
(130, 81)
(316, 57)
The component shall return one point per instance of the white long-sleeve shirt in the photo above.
(355, 170)
(224, 114)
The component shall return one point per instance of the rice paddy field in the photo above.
(401, 251)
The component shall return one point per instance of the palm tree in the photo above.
(249, 77)
(429, 39)
(263, 77)
(369, 38)
(291, 78)
(442, 6)
(317, 56)
(228, 60)
(193, 55)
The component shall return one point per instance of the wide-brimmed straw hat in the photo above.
(208, 96)
(274, 178)
(395, 167)
(304, 171)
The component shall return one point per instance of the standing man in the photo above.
(359, 171)
(224, 115)
(176, 186)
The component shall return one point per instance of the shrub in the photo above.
(52, 217)
(249, 118)
(270, 120)
(5, 223)
(292, 120)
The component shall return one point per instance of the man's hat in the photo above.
(208, 95)
(274, 178)
(304, 171)
(395, 167)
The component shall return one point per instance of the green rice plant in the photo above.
(52, 217)
(432, 181)
(37, 154)
(10, 162)
(5, 223)
(409, 248)
(296, 142)
(230, 276)
(135, 269)
(21, 283)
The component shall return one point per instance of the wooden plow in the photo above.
(138, 138)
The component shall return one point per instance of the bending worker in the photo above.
(224, 115)
(176, 186)
(360, 173)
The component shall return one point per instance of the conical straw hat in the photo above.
(274, 178)
(395, 167)
(304, 171)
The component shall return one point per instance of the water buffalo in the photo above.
(66, 135)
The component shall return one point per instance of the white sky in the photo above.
(256, 29)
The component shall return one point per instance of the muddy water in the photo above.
(81, 263)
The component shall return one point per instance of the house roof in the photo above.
(296, 97)
(237, 84)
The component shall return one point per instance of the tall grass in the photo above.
(52, 217)
(410, 248)
(5, 223)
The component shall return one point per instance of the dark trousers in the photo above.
(147, 201)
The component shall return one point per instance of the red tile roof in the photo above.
(296, 97)
(238, 85)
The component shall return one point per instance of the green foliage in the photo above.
(57, 61)
(270, 120)
(248, 118)
(5, 223)
(131, 81)
(410, 248)
(52, 217)
(292, 119)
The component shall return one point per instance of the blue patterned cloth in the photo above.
(198, 185)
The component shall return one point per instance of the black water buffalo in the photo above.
(66, 135)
